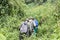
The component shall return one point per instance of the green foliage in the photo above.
(5, 7)
(11, 8)
(13, 12)
(2, 37)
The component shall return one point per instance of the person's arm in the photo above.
(34, 23)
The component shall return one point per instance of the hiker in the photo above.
(35, 25)
(31, 27)
(24, 30)
(31, 24)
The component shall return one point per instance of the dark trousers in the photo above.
(21, 37)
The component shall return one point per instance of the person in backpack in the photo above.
(31, 27)
(35, 25)
(23, 30)
(36, 28)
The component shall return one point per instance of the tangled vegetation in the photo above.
(13, 12)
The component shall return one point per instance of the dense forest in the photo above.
(13, 12)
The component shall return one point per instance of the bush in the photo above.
(2, 37)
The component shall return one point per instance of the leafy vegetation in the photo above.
(13, 12)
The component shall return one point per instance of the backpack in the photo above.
(23, 28)
(36, 22)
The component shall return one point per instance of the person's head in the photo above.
(27, 20)
(32, 18)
